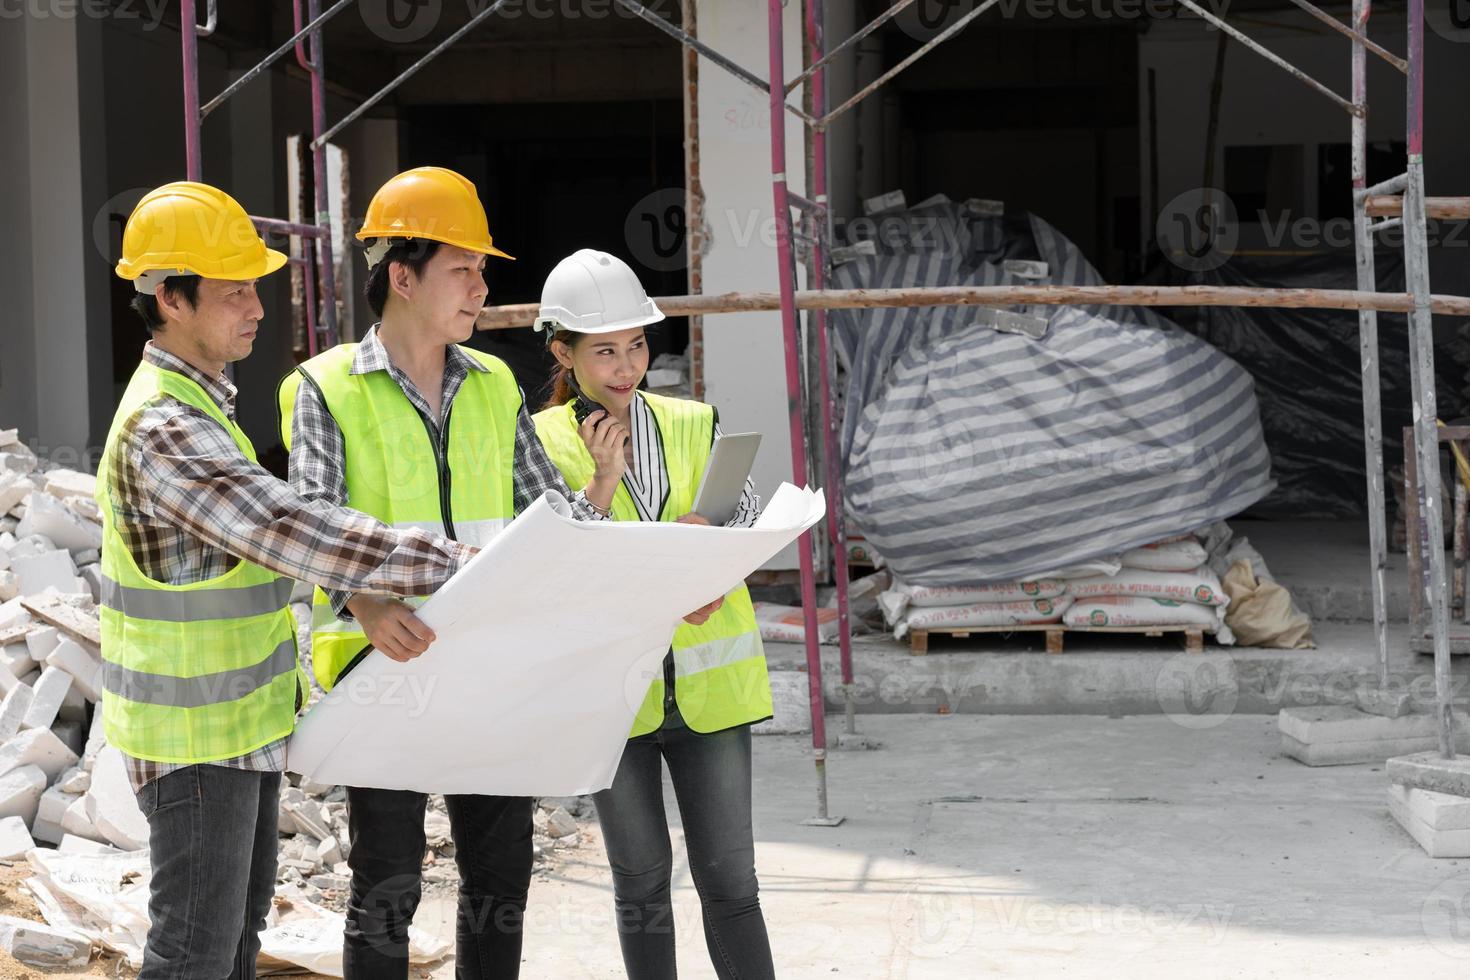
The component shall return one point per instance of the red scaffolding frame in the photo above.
(1400, 201)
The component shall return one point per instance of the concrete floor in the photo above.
(1057, 847)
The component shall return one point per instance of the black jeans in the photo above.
(492, 846)
(711, 776)
(212, 843)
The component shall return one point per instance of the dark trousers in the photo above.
(212, 839)
(492, 846)
(711, 777)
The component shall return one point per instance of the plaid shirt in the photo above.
(317, 448)
(190, 506)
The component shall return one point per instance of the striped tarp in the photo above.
(977, 456)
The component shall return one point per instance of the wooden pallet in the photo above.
(1194, 636)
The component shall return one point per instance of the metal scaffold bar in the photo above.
(822, 62)
(408, 73)
(274, 56)
(705, 304)
(1273, 57)
(1358, 37)
(689, 41)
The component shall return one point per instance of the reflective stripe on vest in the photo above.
(191, 673)
(393, 470)
(719, 668)
(194, 607)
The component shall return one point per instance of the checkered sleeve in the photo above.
(205, 486)
(317, 472)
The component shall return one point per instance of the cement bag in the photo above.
(1020, 613)
(1087, 569)
(897, 600)
(1122, 610)
(1200, 586)
(786, 624)
(1179, 555)
(1262, 613)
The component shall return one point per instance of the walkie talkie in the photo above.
(583, 406)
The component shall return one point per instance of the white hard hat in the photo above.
(594, 292)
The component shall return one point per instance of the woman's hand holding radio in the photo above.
(605, 438)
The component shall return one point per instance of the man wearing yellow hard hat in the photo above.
(200, 549)
(421, 432)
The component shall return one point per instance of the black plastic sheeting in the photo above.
(1307, 369)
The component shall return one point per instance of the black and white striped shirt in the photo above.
(647, 474)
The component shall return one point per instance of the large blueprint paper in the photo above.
(546, 644)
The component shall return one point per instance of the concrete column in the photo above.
(66, 165)
(744, 352)
(17, 338)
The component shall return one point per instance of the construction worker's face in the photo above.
(609, 366)
(219, 328)
(448, 294)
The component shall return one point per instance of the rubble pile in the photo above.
(66, 805)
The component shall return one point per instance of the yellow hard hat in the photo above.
(185, 227)
(433, 203)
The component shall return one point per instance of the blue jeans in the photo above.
(492, 847)
(212, 839)
(711, 777)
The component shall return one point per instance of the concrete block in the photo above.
(1414, 809)
(78, 823)
(46, 832)
(1427, 770)
(96, 741)
(72, 844)
(39, 945)
(9, 437)
(20, 792)
(75, 780)
(12, 614)
(41, 642)
(69, 732)
(51, 569)
(63, 483)
(9, 585)
(47, 515)
(15, 839)
(15, 659)
(37, 747)
(328, 852)
(84, 668)
(1335, 735)
(30, 679)
(1389, 704)
(18, 458)
(560, 823)
(13, 709)
(113, 806)
(54, 804)
(92, 575)
(46, 699)
(14, 488)
(30, 545)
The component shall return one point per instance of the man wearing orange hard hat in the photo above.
(371, 422)
(201, 682)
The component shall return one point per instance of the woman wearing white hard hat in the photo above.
(640, 456)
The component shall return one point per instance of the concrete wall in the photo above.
(1262, 105)
(744, 353)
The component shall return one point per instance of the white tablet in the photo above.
(723, 483)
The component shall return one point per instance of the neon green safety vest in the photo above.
(191, 673)
(719, 670)
(396, 473)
